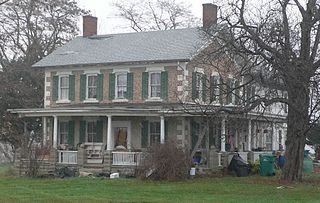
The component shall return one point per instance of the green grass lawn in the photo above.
(226, 189)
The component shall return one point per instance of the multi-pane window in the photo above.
(64, 88)
(92, 87)
(199, 87)
(121, 86)
(91, 131)
(63, 132)
(155, 84)
(215, 91)
(154, 132)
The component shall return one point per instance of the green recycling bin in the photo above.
(267, 164)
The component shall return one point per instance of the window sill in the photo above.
(156, 99)
(63, 102)
(120, 100)
(91, 101)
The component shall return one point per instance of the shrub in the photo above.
(165, 162)
(255, 167)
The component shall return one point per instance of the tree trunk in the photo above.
(298, 124)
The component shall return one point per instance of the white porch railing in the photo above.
(126, 158)
(67, 157)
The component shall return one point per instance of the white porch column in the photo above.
(109, 134)
(255, 135)
(223, 135)
(162, 127)
(44, 131)
(249, 135)
(274, 137)
(55, 132)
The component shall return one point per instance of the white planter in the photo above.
(193, 171)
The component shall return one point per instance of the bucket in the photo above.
(193, 171)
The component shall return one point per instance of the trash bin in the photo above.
(239, 166)
(266, 164)
(307, 163)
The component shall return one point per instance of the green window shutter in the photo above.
(204, 87)
(237, 93)
(164, 85)
(130, 86)
(55, 87)
(71, 133)
(83, 87)
(99, 131)
(112, 83)
(82, 131)
(194, 88)
(100, 87)
(145, 85)
(71, 87)
(229, 91)
(220, 86)
(144, 134)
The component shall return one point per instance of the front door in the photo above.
(121, 134)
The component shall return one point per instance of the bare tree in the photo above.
(146, 15)
(29, 30)
(276, 44)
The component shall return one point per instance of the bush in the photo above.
(255, 167)
(165, 162)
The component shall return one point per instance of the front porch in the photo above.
(114, 140)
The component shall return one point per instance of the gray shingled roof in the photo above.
(180, 44)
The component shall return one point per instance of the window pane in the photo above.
(92, 92)
(64, 87)
(64, 93)
(91, 131)
(155, 78)
(92, 80)
(64, 81)
(121, 86)
(122, 79)
(63, 131)
(154, 132)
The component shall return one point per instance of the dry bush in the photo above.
(165, 162)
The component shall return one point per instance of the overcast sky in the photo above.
(108, 22)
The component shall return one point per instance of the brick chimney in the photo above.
(209, 15)
(89, 26)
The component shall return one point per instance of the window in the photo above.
(155, 85)
(215, 91)
(154, 132)
(91, 131)
(121, 86)
(63, 132)
(64, 88)
(198, 85)
(92, 87)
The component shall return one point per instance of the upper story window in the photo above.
(121, 86)
(155, 85)
(215, 89)
(64, 87)
(92, 86)
(198, 86)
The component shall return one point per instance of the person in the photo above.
(280, 159)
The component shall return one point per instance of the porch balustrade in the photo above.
(67, 157)
(126, 158)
